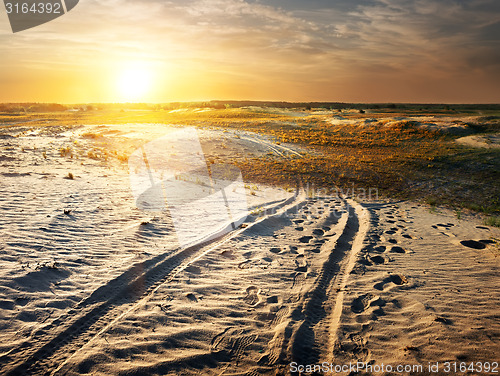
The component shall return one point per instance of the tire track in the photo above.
(98, 311)
(110, 303)
(274, 147)
(314, 323)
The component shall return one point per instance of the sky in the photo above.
(426, 51)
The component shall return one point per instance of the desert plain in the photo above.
(368, 236)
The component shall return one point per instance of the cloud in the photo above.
(318, 46)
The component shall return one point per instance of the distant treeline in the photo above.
(32, 107)
(55, 107)
(357, 106)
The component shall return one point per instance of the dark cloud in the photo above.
(490, 32)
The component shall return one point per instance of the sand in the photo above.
(491, 141)
(90, 284)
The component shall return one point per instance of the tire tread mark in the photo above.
(99, 309)
(310, 331)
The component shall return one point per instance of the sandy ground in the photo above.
(491, 141)
(92, 285)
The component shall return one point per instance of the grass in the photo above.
(492, 221)
(398, 158)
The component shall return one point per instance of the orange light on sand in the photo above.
(134, 83)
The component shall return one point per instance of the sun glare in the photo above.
(134, 83)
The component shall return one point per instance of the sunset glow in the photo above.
(134, 83)
(351, 51)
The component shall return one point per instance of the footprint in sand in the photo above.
(482, 227)
(273, 299)
(298, 221)
(397, 249)
(299, 228)
(380, 249)
(487, 241)
(191, 297)
(444, 232)
(228, 254)
(245, 264)
(361, 303)
(473, 244)
(315, 250)
(280, 315)
(397, 279)
(298, 279)
(443, 320)
(318, 232)
(305, 239)
(252, 296)
(365, 260)
(275, 250)
(233, 341)
(441, 226)
(301, 263)
(379, 259)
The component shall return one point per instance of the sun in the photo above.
(134, 83)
